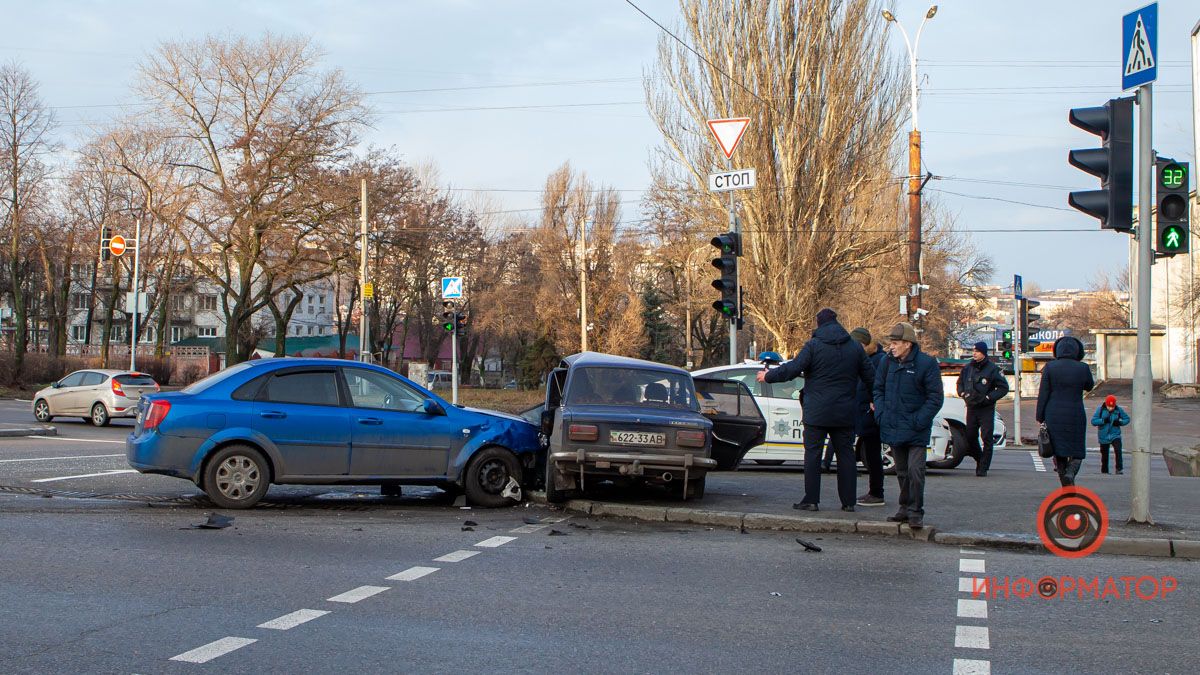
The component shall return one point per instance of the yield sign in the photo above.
(116, 245)
(728, 133)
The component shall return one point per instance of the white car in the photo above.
(785, 440)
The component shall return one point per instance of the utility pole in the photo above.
(364, 346)
(1139, 506)
(583, 346)
(137, 300)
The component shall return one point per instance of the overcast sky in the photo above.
(997, 81)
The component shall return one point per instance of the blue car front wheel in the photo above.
(488, 474)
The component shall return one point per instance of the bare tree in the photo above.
(25, 127)
(823, 96)
(1105, 305)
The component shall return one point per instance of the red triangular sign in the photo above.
(728, 133)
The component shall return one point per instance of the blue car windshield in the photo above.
(216, 378)
(629, 386)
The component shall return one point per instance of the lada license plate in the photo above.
(643, 438)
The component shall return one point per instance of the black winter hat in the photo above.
(981, 347)
(825, 316)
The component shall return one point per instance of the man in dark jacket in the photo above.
(832, 366)
(980, 385)
(908, 394)
(868, 442)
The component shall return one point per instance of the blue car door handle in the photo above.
(272, 414)
(370, 420)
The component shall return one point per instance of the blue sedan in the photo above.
(331, 422)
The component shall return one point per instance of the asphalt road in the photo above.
(97, 586)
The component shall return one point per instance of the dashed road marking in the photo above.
(214, 649)
(972, 667)
(84, 475)
(294, 619)
(360, 593)
(456, 556)
(51, 459)
(972, 585)
(974, 565)
(493, 542)
(972, 609)
(971, 637)
(969, 551)
(1038, 464)
(528, 529)
(413, 573)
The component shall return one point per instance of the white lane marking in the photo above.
(84, 475)
(970, 551)
(559, 519)
(971, 565)
(360, 593)
(294, 619)
(457, 556)
(972, 667)
(972, 609)
(212, 650)
(413, 573)
(51, 459)
(1038, 464)
(971, 637)
(493, 542)
(972, 585)
(528, 529)
(75, 440)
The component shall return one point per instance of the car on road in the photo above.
(626, 420)
(784, 440)
(328, 422)
(97, 396)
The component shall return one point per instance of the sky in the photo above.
(528, 84)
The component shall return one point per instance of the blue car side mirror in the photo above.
(432, 407)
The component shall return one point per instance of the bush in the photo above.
(159, 369)
(504, 400)
(39, 370)
(190, 374)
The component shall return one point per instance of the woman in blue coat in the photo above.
(1060, 406)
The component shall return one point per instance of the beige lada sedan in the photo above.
(95, 395)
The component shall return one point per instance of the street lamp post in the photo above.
(914, 164)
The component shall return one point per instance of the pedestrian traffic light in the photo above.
(105, 238)
(460, 323)
(1005, 344)
(1113, 163)
(1028, 321)
(1171, 201)
(730, 245)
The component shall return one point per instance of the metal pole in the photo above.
(1196, 144)
(454, 360)
(137, 301)
(364, 326)
(1016, 350)
(583, 346)
(733, 227)
(1139, 498)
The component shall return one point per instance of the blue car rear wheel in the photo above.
(236, 477)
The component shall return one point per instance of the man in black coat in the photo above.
(869, 443)
(980, 385)
(832, 366)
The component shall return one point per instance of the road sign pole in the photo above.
(733, 227)
(137, 301)
(454, 360)
(364, 325)
(1016, 352)
(1139, 498)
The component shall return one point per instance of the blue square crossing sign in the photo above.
(1139, 47)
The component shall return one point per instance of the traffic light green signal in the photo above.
(1171, 208)
(1171, 238)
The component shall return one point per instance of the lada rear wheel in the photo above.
(553, 494)
(488, 474)
(696, 488)
(237, 477)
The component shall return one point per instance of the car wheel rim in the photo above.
(493, 476)
(237, 477)
(42, 411)
(97, 414)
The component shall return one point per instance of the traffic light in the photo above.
(1171, 200)
(730, 245)
(460, 323)
(1028, 321)
(1005, 344)
(1113, 163)
(449, 317)
(105, 237)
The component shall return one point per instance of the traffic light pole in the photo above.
(454, 360)
(1016, 352)
(733, 320)
(1139, 501)
(364, 323)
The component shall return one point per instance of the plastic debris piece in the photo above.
(776, 595)
(808, 545)
(557, 533)
(470, 523)
(216, 521)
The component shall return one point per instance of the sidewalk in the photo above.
(10, 430)
(999, 510)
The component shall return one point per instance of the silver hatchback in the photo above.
(95, 395)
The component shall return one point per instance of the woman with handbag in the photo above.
(1060, 406)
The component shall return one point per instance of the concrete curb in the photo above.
(11, 432)
(1129, 546)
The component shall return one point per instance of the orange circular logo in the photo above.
(1072, 522)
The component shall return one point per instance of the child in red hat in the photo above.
(1110, 418)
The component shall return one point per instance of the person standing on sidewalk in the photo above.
(980, 386)
(868, 442)
(907, 395)
(832, 366)
(1060, 406)
(1110, 418)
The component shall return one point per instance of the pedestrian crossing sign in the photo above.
(1139, 46)
(452, 288)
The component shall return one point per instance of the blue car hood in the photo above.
(498, 414)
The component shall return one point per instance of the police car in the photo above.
(780, 404)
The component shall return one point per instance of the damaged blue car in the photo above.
(328, 422)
